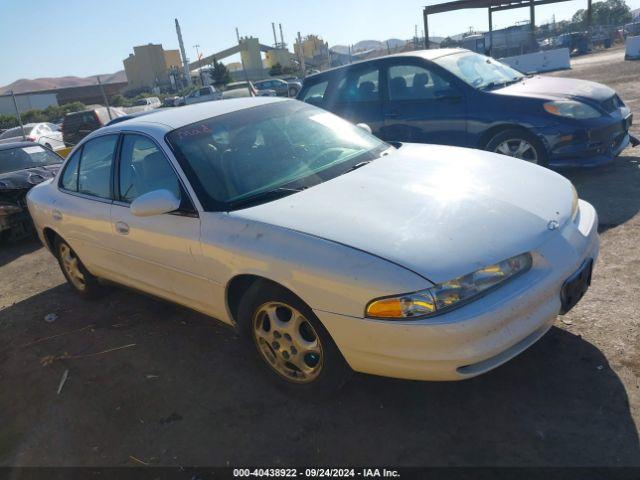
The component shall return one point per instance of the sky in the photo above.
(88, 37)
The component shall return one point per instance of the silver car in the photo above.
(203, 94)
(46, 134)
(328, 249)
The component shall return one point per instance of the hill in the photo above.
(48, 83)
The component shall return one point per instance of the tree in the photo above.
(275, 70)
(219, 74)
(120, 101)
(609, 12)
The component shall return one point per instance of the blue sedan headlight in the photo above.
(571, 109)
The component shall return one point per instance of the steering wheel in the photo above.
(325, 153)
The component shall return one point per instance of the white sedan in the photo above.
(330, 250)
(47, 134)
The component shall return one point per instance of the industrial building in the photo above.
(149, 66)
(314, 50)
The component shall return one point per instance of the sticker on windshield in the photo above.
(31, 150)
(195, 131)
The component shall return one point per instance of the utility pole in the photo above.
(425, 19)
(15, 104)
(185, 60)
(104, 96)
(301, 54)
(197, 46)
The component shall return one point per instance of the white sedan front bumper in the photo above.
(477, 337)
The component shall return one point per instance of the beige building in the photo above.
(149, 65)
(277, 55)
(314, 50)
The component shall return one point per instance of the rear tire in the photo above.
(519, 144)
(83, 283)
(290, 342)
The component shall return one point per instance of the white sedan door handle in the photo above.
(122, 228)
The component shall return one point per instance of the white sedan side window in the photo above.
(143, 168)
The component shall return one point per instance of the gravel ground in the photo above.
(183, 392)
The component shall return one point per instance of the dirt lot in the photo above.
(185, 393)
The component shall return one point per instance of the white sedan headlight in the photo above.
(448, 295)
(571, 109)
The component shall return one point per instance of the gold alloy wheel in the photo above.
(288, 342)
(70, 263)
(518, 148)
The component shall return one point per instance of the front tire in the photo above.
(290, 341)
(519, 144)
(83, 283)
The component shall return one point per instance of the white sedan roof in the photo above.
(188, 114)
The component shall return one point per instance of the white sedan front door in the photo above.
(159, 254)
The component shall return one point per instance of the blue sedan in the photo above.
(457, 97)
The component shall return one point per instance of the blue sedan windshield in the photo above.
(479, 71)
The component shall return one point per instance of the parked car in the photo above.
(77, 125)
(22, 165)
(203, 94)
(245, 89)
(132, 115)
(281, 87)
(170, 101)
(457, 97)
(327, 248)
(295, 83)
(144, 104)
(578, 43)
(47, 134)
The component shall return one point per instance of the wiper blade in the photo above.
(358, 165)
(262, 196)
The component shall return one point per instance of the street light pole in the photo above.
(197, 46)
(104, 96)
(15, 105)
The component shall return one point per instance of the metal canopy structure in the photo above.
(491, 6)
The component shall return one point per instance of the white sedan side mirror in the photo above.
(365, 127)
(156, 202)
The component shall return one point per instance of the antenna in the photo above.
(237, 35)
(281, 37)
(275, 38)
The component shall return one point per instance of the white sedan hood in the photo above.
(439, 211)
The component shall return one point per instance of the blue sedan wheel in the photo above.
(519, 148)
(518, 144)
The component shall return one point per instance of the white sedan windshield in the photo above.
(479, 71)
(283, 145)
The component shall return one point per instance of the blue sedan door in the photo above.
(356, 95)
(422, 105)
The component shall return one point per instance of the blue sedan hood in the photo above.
(554, 88)
(439, 211)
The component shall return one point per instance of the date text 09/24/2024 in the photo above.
(316, 472)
